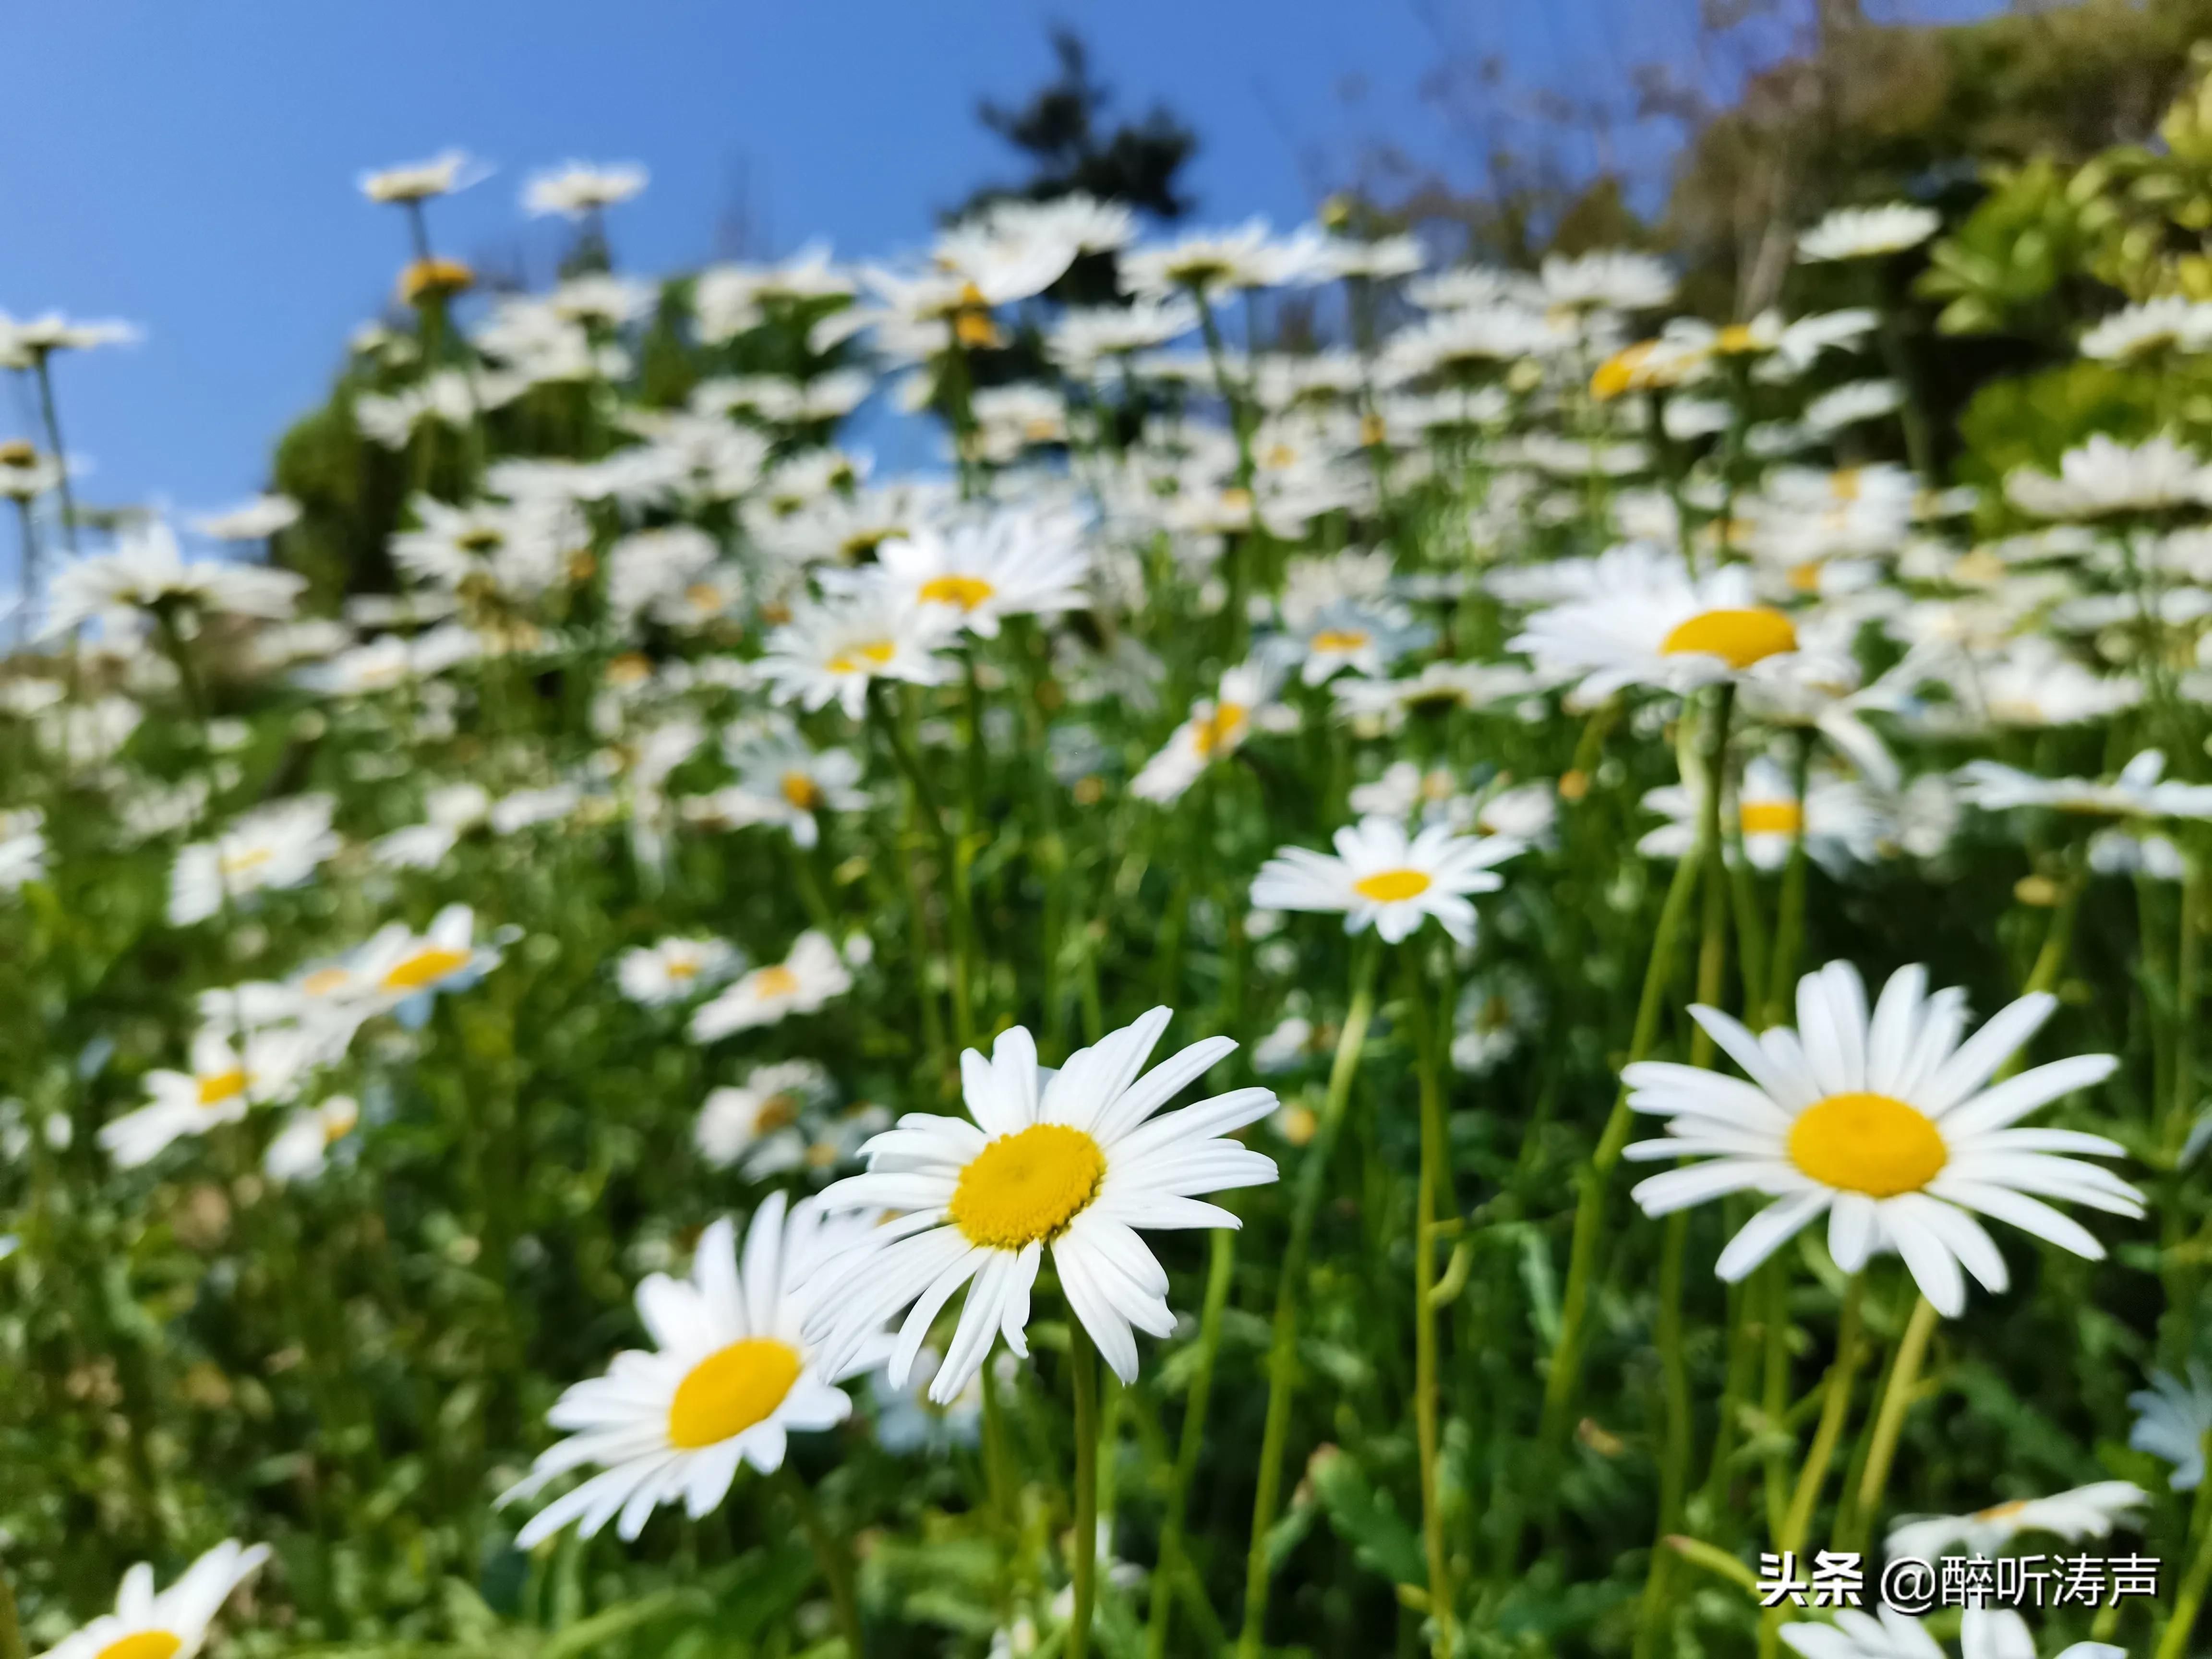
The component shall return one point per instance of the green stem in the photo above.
(1083, 1368)
(2189, 1595)
(998, 1477)
(1889, 1419)
(960, 923)
(49, 414)
(1219, 1272)
(1434, 1181)
(1590, 1200)
(11, 1630)
(1282, 1353)
(1813, 1475)
(835, 1560)
(2188, 967)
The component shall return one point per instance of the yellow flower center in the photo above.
(1236, 500)
(246, 859)
(1027, 1187)
(1738, 637)
(874, 653)
(223, 1085)
(1622, 371)
(973, 326)
(730, 1390)
(966, 592)
(141, 1644)
(1341, 639)
(1218, 730)
(425, 967)
(1805, 578)
(1845, 484)
(776, 1112)
(1372, 431)
(1868, 1143)
(2001, 1511)
(800, 791)
(337, 1125)
(775, 980)
(683, 968)
(326, 981)
(1298, 1124)
(1773, 818)
(703, 595)
(1736, 337)
(1392, 886)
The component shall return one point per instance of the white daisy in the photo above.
(226, 1080)
(148, 572)
(782, 781)
(1855, 1635)
(278, 845)
(731, 1376)
(1217, 727)
(2104, 476)
(759, 1127)
(1659, 627)
(2171, 1420)
(1862, 232)
(171, 1625)
(674, 969)
(1017, 562)
(811, 975)
(400, 971)
(2089, 1511)
(1883, 1121)
(577, 189)
(834, 652)
(2168, 322)
(1368, 641)
(1074, 1159)
(2141, 790)
(1380, 878)
(301, 1150)
(419, 181)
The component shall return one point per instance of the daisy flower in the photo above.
(811, 975)
(909, 1421)
(401, 971)
(1074, 1159)
(1884, 1634)
(301, 1150)
(756, 1127)
(419, 181)
(227, 1078)
(2139, 791)
(782, 781)
(22, 855)
(673, 969)
(575, 189)
(1368, 642)
(833, 652)
(1218, 727)
(1883, 1121)
(2171, 1420)
(277, 845)
(1380, 878)
(2090, 1511)
(147, 573)
(171, 1625)
(1015, 563)
(731, 1374)
(254, 520)
(1863, 232)
(1662, 628)
(2104, 476)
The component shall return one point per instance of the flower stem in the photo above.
(956, 909)
(834, 1557)
(11, 1630)
(51, 418)
(1083, 1368)
(2189, 1595)
(1282, 1352)
(1590, 1201)
(1813, 1475)
(1220, 1265)
(1889, 1418)
(1434, 1181)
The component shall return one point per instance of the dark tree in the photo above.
(1063, 131)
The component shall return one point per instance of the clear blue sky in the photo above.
(189, 164)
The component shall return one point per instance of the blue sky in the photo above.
(189, 164)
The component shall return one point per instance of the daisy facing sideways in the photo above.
(1379, 877)
(731, 1376)
(1984, 1633)
(171, 1625)
(1073, 1159)
(2090, 1511)
(811, 975)
(674, 969)
(1887, 1123)
(1661, 627)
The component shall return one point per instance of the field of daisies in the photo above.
(1526, 983)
